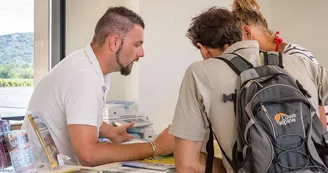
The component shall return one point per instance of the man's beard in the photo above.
(125, 71)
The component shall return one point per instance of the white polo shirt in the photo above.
(71, 93)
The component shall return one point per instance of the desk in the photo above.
(101, 168)
(117, 165)
(45, 169)
(108, 166)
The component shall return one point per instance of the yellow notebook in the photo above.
(161, 160)
(170, 159)
(217, 150)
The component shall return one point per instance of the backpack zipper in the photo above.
(264, 109)
(284, 85)
(267, 115)
(271, 146)
(249, 83)
(255, 79)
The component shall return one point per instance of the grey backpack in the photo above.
(278, 128)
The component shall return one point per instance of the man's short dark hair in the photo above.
(116, 20)
(214, 28)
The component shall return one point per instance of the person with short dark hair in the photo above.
(215, 32)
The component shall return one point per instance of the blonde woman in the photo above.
(254, 27)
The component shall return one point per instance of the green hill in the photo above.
(17, 49)
(16, 55)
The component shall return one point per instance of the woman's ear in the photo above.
(204, 51)
(247, 32)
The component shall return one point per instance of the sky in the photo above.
(16, 16)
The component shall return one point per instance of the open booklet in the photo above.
(112, 170)
(148, 165)
(130, 170)
(162, 164)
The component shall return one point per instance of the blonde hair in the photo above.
(247, 12)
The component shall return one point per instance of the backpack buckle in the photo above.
(230, 97)
(303, 90)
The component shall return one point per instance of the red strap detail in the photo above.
(277, 40)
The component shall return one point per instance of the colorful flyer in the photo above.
(4, 152)
(20, 151)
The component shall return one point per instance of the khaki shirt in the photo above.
(206, 81)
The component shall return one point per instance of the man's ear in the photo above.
(247, 32)
(204, 51)
(114, 42)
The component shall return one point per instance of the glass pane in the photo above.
(16, 56)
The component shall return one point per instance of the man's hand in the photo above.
(164, 142)
(120, 134)
(116, 134)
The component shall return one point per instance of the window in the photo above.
(16, 56)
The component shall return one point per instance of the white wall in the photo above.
(303, 22)
(266, 10)
(81, 19)
(168, 53)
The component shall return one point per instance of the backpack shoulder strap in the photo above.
(236, 62)
(273, 58)
(210, 152)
